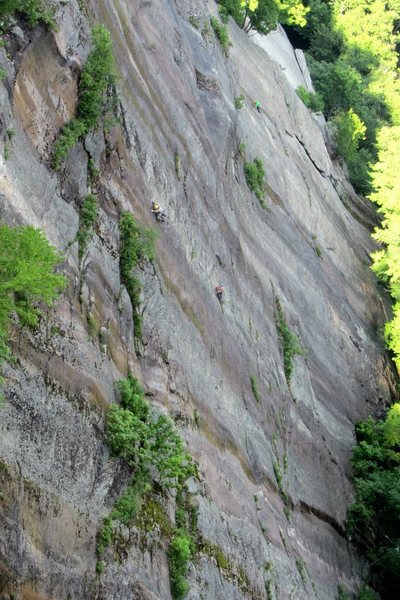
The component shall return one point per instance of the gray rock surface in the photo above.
(57, 478)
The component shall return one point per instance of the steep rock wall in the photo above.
(58, 480)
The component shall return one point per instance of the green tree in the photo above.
(34, 10)
(231, 8)
(373, 520)
(392, 426)
(27, 278)
(264, 19)
(386, 262)
(264, 15)
(147, 442)
(349, 130)
(339, 84)
(312, 100)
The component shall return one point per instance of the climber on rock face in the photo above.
(257, 105)
(219, 290)
(158, 211)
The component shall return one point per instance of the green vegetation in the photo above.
(34, 11)
(221, 31)
(3, 74)
(27, 263)
(177, 161)
(365, 593)
(254, 174)
(94, 101)
(239, 101)
(352, 53)
(87, 218)
(290, 342)
(179, 554)
(318, 251)
(279, 481)
(6, 152)
(136, 247)
(349, 131)
(230, 570)
(93, 172)
(313, 101)
(263, 15)
(302, 570)
(386, 262)
(194, 21)
(150, 446)
(374, 517)
(242, 150)
(254, 388)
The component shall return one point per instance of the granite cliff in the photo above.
(274, 471)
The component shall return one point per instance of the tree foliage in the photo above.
(148, 442)
(27, 278)
(34, 11)
(150, 445)
(312, 100)
(352, 52)
(255, 174)
(349, 130)
(264, 15)
(179, 554)
(373, 520)
(386, 262)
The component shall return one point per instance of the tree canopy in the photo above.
(373, 520)
(27, 263)
(264, 15)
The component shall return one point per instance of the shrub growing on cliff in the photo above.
(147, 442)
(290, 342)
(136, 246)
(221, 31)
(96, 80)
(33, 10)
(87, 218)
(179, 554)
(313, 101)
(254, 388)
(254, 174)
(373, 520)
(239, 101)
(150, 445)
(27, 263)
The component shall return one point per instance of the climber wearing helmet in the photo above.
(219, 290)
(158, 211)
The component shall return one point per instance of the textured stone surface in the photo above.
(58, 480)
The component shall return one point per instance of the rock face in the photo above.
(275, 472)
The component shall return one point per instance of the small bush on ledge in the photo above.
(221, 31)
(254, 174)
